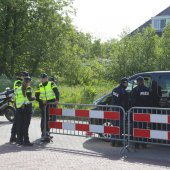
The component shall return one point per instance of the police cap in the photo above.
(140, 79)
(27, 79)
(43, 75)
(124, 80)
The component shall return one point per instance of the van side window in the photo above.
(164, 84)
(133, 83)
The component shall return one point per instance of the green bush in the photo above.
(68, 94)
(88, 94)
(5, 82)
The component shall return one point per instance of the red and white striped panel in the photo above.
(85, 127)
(151, 118)
(153, 134)
(112, 115)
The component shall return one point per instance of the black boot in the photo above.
(46, 139)
(28, 143)
(13, 138)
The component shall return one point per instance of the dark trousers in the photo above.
(119, 123)
(44, 111)
(23, 117)
(14, 128)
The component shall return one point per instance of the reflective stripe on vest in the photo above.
(16, 86)
(46, 92)
(20, 98)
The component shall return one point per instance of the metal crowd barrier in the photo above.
(148, 125)
(97, 121)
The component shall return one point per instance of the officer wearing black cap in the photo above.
(119, 94)
(140, 95)
(47, 93)
(17, 83)
(23, 99)
(120, 98)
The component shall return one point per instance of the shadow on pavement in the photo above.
(2, 123)
(53, 148)
(102, 147)
(12, 147)
(38, 146)
(153, 154)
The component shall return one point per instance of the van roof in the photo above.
(149, 73)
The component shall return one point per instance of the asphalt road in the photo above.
(74, 152)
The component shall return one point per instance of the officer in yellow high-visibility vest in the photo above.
(17, 83)
(23, 100)
(47, 92)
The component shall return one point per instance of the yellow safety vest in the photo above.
(20, 99)
(15, 82)
(16, 86)
(46, 92)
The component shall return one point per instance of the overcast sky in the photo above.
(106, 19)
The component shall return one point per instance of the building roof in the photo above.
(149, 22)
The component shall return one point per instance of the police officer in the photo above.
(17, 83)
(23, 99)
(47, 93)
(120, 98)
(140, 97)
(119, 94)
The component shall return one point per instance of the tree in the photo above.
(163, 62)
(28, 30)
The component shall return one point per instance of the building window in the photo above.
(159, 24)
(162, 23)
(156, 24)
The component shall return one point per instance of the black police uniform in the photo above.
(120, 98)
(140, 97)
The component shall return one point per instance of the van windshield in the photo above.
(130, 86)
(164, 86)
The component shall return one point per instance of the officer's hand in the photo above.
(44, 102)
(33, 98)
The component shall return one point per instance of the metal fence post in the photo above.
(45, 118)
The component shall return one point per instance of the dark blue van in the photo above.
(157, 81)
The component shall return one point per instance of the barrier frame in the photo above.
(112, 107)
(152, 113)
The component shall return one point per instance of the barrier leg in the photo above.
(46, 137)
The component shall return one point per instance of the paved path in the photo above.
(78, 153)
